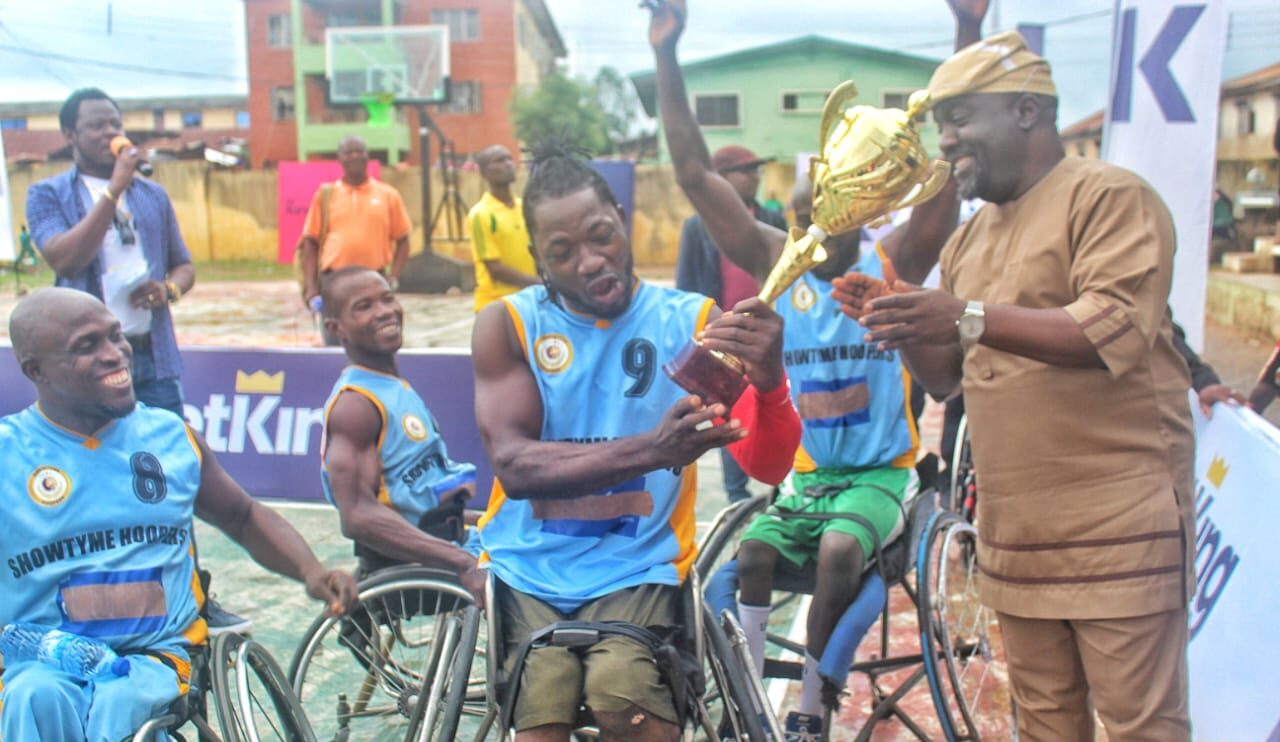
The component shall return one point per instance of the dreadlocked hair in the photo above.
(558, 167)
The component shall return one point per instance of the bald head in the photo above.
(497, 166)
(354, 157)
(72, 349)
(336, 287)
(43, 320)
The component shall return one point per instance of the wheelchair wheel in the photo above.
(734, 702)
(361, 676)
(442, 700)
(252, 695)
(960, 640)
(721, 540)
(964, 482)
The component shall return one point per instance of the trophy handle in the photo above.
(833, 109)
(928, 189)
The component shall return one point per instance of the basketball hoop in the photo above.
(380, 107)
(381, 66)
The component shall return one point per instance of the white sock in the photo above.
(755, 624)
(810, 687)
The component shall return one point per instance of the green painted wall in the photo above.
(771, 132)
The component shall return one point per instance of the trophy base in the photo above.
(713, 376)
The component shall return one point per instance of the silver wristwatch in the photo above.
(972, 324)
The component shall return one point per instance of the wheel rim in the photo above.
(361, 675)
(973, 677)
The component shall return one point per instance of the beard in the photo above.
(842, 252)
(582, 302)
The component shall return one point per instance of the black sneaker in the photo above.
(223, 621)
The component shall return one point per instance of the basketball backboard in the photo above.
(406, 64)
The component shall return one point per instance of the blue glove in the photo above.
(316, 304)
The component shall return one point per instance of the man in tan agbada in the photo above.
(1055, 299)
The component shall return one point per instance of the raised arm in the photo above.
(268, 538)
(355, 469)
(69, 248)
(509, 413)
(747, 243)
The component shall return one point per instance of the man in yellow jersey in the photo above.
(499, 240)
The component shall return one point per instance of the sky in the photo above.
(1079, 49)
(168, 48)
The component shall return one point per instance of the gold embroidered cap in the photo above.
(999, 64)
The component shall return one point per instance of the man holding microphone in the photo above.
(110, 234)
(115, 236)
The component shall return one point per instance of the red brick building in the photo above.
(496, 47)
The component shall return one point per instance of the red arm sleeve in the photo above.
(768, 451)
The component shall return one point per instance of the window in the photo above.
(803, 101)
(19, 122)
(464, 97)
(898, 99)
(463, 23)
(279, 31)
(341, 18)
(191, 119)
(242, 119)
(1246, 120)
(716, 110)
(282, 103)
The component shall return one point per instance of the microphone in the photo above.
(118, 145)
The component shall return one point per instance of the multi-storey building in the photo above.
(496, 47)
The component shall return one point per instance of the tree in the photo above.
(619, 102)
(561, 107)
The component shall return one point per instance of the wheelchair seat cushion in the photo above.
(795, 523)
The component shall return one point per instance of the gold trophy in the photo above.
(872, 163)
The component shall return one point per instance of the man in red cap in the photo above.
(704, 269)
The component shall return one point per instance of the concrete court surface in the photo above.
(271, 314)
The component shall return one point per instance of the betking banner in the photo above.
(262, 411)
(1234, 651)
(1162, 123)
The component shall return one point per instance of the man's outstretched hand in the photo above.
(753, 333)
(913, 316)
(666, 22)
(969, 11)
(337, 590)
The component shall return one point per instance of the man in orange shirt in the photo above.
(354, 221)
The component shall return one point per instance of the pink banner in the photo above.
(298, 182)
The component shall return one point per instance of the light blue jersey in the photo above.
(416, 469)
(852, 397)
(599, 380)
(97, 535)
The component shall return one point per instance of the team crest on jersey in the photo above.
(414, 427)
(553, 353)
(803, 297)
(49, 486)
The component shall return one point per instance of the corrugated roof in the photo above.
(645, 82)
(1261, 79)
(1090, 124)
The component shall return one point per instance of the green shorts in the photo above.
(613, 675)
(874, 494)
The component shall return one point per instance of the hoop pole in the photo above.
(425, 125)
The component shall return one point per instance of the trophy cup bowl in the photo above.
(871, 163)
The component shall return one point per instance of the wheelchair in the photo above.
(731, 706)
(400, 666)
(960, 658)
(250, 694)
